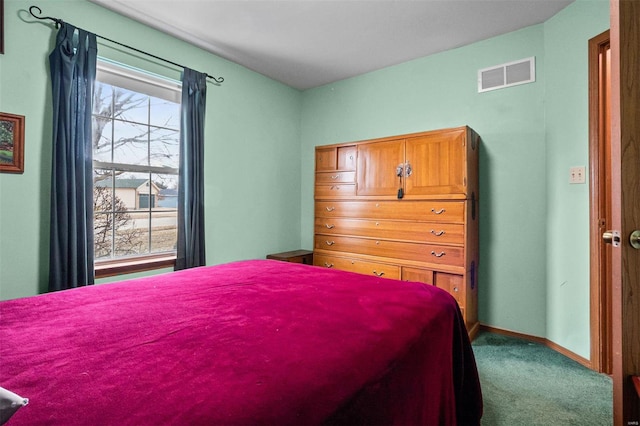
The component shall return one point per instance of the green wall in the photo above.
(533, 275)
(252, 156)
(567, 128)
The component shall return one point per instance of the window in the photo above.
(136, 137)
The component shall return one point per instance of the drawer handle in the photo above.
(330, 209)
(328, 265)
(438, 211)
(329, 226)
(437, 233)
(378, 274)
(377, 243)
(330, 243)
(455, 289)
(433, 253)
(335, 176)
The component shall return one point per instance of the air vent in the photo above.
(506, 75)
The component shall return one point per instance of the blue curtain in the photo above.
(73, 72)
(190, 248)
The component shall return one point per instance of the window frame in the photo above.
(140, 81)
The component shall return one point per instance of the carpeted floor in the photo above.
(526, 383)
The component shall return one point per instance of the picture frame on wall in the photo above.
(11, 143)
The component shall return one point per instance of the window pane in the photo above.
(131, 233)
(164, 231)
(165, 145)
(130, 106)
(130, 185)
(168, 191)
(101, 131)
(131, 145)
(102, 191)
(102, 235)
(102, 100)
(164, 113)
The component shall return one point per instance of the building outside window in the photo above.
(136, 137)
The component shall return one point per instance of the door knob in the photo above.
(634, 239)
(612, 237)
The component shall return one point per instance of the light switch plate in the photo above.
(577, 174)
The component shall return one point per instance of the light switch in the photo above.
(577, 174)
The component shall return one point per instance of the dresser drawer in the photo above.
(428, 253)
(335, 177)
(425, 211)
(437, 233)
(357, 265)
(337, 190)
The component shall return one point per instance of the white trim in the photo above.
(127, 77)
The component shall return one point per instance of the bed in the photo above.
(257, 342)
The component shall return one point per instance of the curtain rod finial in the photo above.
(218, 80)
(57, 21)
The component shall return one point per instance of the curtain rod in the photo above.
(59, 22)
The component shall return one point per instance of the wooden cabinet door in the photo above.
(377, 164)
(326, 158)
(438, 164)
(346, 157)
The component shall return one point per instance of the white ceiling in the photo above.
(308, 43)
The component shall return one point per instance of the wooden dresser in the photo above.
(403, 207)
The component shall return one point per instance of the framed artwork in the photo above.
(11, 143)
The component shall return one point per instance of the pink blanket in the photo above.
(247, 343)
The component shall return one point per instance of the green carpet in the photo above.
(526, 383)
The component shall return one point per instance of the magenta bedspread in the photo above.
(246, 343)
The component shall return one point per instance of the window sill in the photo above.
(110, 268)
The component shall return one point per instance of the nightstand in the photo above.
(295, 256)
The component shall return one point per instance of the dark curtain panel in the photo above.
(73, 72)
(191, 251)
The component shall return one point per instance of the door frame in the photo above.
(600, 206)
